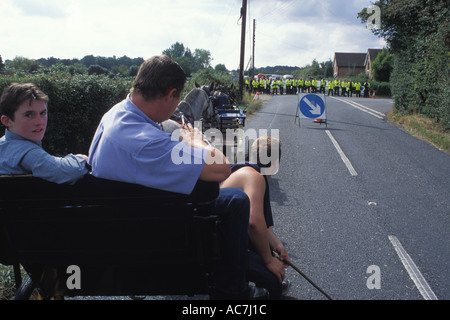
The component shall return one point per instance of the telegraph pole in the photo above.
(241, 67)
(253, 56)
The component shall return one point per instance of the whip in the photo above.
(303, 275)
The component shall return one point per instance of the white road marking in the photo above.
(367, 108)
(344, 158)
(413, 271)
(358, 106)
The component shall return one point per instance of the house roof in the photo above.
(350, 59)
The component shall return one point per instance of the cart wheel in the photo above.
(25, 290)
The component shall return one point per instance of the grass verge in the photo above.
(423, 128)
(252, 105)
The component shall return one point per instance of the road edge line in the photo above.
(413, 271)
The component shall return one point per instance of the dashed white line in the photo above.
(413, 271)
(344, 158)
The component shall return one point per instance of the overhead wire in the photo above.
(282, 8)
(279, 9)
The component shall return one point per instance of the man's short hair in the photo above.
(14, 95)
(157, 76)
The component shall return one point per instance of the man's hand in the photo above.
(192, 136)
(277, 268)
(282, 254)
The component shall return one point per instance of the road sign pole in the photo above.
(297, 110)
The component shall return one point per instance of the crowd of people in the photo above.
(335, 87)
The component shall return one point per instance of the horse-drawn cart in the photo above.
(231, 117)
(107, 238)
(214, 110)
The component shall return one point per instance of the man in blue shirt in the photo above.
(130, 146)
(23, 110)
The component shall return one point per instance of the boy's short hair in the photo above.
(14, 95)
(157, 76)
(265, 145)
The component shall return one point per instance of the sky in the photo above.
(288, 32)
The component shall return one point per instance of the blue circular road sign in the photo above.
(312, 106)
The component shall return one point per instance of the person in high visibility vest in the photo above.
(247, 85)
(330, 87)
(308, 85)
(261, 85)
(288, 86)
(255, 85)
(337, 86)
(322, 86)
(358, 89)
(274, 86)
(343, 88)
(266, 85)
(280, 86)
(301, 85)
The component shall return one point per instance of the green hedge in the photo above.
(78, 102)
(417, 33)
(421, 78)
(381, 88)
(76, 106)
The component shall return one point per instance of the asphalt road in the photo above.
(362, 207)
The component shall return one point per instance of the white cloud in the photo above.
(289, 32)
(41, 8)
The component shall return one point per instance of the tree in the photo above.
(382, 66)
(202, 59)
(221, 68)
(177, 50)
(418, 34)
(185, 63)
(181, 55)
(78, 68)
(89, 60)
(403, 20)
(327, 68)
(98, 70)
(24, 64)
(190, 63)
(315, 70)
(2, 65)
(133, 71)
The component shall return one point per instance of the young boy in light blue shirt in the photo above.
(23, 110)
